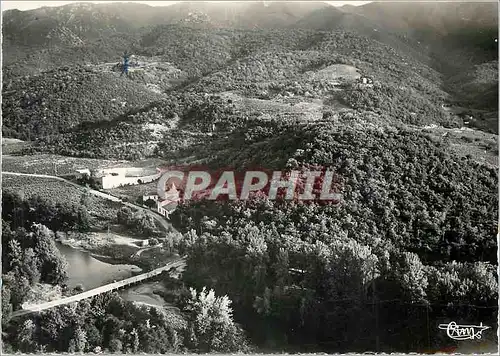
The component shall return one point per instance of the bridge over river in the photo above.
(33, 308)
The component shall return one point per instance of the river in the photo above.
(89, 272)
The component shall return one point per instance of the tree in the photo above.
(78, 341)
(83, 219)
(471, 283)
(19, 288)
(31, 266)
(211, 326)
(26, 337)
(407, 271)
(15, 254)
(145, 224)
(150, 203)
(115, 345)
(124, 216)
(85, 198)
(53, 265)
(94, 337)
(134, 335)
(6, 306)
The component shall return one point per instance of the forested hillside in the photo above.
(385, 95)
(59, 100)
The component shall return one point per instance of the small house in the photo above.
(82, 173)
(366, 80)
(150, 197)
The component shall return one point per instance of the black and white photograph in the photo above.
(252, 177)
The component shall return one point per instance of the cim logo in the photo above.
(193, 183)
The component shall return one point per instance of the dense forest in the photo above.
(276, 61)
(395, 105)
(409, 223)
(44, 105)
(33, 267)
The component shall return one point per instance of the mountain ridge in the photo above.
(44, 39)
(87, 25)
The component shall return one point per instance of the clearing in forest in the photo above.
(335, 72)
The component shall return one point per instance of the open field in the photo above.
(11, 141)
(133, 192)
(289, 106)
(59, 192)
(51, 164)
(62, 165)
(335, 71)
(13, 145)
(479, 145)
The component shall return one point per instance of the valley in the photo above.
(384, 95)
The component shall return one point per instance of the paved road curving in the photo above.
(98, 193)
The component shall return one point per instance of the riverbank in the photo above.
(94, 240)
(87, 272)
(109, 248)
(117, 249)
(147, 294)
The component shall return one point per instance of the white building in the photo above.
(168, 205)
(81, 173)
(117, 177)
(150, 197)
(366, 81)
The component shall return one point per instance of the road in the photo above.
(111, 286)
(99, 290)
(151, 213)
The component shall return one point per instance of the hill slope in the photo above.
(59, 100)
(351, 91)
(48, 37)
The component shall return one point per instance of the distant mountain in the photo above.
(453, 38)
(477, 87)
(476, 24)
(237, 14)
(464, 32)
(78, 23)
(441, 19)
(278, 14)
(48, 37)
(334, 18)
(200, 37)
(71, 25)
(347, 19)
